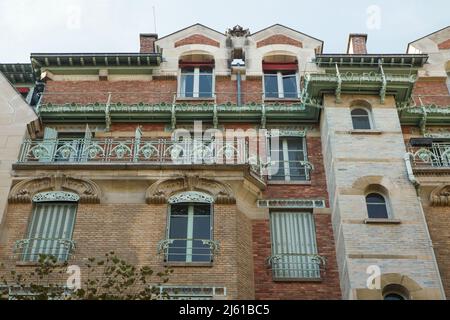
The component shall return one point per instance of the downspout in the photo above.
(416, 184)
(239, 98)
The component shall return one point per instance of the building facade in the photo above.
(253, 164)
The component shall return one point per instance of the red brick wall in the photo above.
(267, 289)
(126, 92)
(444, 45)
(279, 39)
(148, 42)
(432, 91)
(226, 90)
(358, 43)
(197, 39)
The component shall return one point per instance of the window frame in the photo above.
(168, 230)
(280, 85)
(369, 116)
(284, 145)
(196, 94)
(386, 203)
(448, 81)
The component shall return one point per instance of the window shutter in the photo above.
(294, 245)
(51, 223)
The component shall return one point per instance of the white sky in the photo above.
(114, 25)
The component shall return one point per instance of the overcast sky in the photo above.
(114, 25)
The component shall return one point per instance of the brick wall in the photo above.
(438, 219)
(279, 39)
(432, 92)
(444, 45)
(266, 288)
(133, 232)
(147, 42)
(126, 92)
(197, 39)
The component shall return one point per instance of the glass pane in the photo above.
(205, 85)
(297, 171)
(361, 122)
(377, 211)
(277, 168)
(295, 143)
(178, 230)
(359, 112)
(375, 198)
(290, 86)
(271, 85)
(187, 85)
(201, 252)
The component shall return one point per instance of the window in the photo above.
(50, 231)
(361, 119)
(190, 233)
(196, 82)
(377, 206)
(448, 82)
(281, 84)
(291, 160)
(395, 292)
(394, 296)
(294, 248)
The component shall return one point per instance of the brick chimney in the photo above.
(357, 43)
(148, 42)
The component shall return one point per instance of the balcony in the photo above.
(435, 156)
(426, 110)
(30, 250)
(297, 267)
(188, 251)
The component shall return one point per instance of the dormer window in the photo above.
(196, 77)
(280, 78)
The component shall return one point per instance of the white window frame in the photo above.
(286, 161)
(369, 114)
(196, 88)
(386, 201)
(280, 76)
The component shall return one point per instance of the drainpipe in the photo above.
(416, 184)
(239, 98)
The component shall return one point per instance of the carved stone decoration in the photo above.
(161, 191)
(440, 197)
(191, 196)
(238, 31)
(23, 192)
(53, 196)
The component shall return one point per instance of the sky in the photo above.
(65, 26)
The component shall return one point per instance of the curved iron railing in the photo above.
(296, 266)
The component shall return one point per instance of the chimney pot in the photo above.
(147, 41)
(357, 43)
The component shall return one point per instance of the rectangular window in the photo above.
(291, 160)
(50, 231)
(281, 85)
(190, 231)
(196, 82)
(294, 248)
(448, 82)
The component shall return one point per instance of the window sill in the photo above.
(382, 221)
(189, 264)
(195, 99)
(300, 183)
(366, 132)
(282, 100)
(298, 280)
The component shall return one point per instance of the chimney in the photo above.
(357, 43)
(148, 42)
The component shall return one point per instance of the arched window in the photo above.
(377, 206)
(51, 227)
(361, 119)
(190, 228)
(281, 80)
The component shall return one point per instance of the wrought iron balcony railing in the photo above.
(188, 250)
(30, 250)
(296, 266)
(437, 155)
